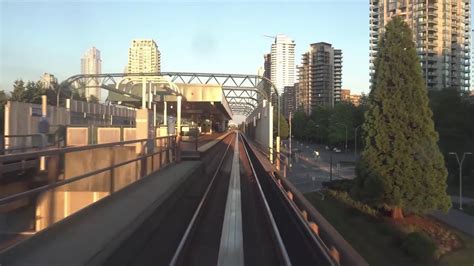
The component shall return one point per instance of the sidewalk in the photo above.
(465, 200)
(457, 219)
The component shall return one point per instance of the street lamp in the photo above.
(290, 141)
(460, 173)
(355, 140)
(346, 131)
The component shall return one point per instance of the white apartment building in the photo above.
(441, 31)
(144, 57)
(91, 63)
(47, 80)
(283, 62)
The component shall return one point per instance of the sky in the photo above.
(202, 36)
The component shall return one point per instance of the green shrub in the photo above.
(344, 197)
(340, 185)
(419, 246)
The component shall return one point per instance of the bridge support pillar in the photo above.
(144, 93)
(178, 115)
(44, 137)
(270, 132)
(165, 113)
(144, 130)
(154, 115)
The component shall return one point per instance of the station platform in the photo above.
(205, 142)
(92, 234)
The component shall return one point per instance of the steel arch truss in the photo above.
(243, 92)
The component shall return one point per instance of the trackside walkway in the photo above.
(206, 146)
(92, 234)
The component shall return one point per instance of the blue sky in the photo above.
(202, 36)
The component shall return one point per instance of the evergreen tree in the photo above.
(311, 130)
(401, 167)
(299, 121)
(18, 93)
(284, 127)
(34, 92)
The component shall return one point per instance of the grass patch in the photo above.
(378, 240)
(463, 256)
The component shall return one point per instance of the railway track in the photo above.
(236, 215)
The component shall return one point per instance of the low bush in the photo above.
(340, 185)
(345, 198)
(419, 246)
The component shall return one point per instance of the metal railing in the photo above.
(27, 142)
(169, 146)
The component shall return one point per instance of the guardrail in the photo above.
(340, 250)
(167, 143)
(28, 142)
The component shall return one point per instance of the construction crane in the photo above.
(268, 36)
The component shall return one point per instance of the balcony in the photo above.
(432, 37)
(432, 6)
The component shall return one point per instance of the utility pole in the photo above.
(355, 141)
(290, 141)
(330, 165)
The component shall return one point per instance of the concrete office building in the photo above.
(144, 57)
(320, 76)
(441, 31)
(91, 63)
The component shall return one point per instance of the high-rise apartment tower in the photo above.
(91, 63)
(283, 62)
(441, 31)
(320, 77)
(144, 57)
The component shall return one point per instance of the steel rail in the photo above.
(192, 223)
(279, 240)
(296, 212)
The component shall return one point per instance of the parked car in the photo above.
(336, 150)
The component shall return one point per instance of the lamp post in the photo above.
(460, 173)
(346, 132)
(355, 140)
(290, 141)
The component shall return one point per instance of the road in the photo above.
(308, 173)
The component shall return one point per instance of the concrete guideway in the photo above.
(90, 235)
(231, 251)
(172, 212)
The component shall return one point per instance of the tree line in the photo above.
(406, 133)
(328, 125)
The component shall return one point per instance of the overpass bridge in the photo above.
(141, 201)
